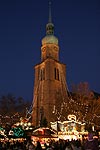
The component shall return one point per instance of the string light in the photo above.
(84, 107)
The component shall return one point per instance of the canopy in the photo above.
(43, 132)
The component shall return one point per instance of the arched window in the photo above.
(42, 74)
(56, 74)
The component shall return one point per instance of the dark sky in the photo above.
(22, 26)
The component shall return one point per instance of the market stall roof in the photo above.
(44, 132)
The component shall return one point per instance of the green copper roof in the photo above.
(49, 39)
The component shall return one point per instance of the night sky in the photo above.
(22, 26)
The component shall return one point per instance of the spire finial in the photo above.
(50, 17)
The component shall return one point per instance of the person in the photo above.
(31, 147)
(38, 146)
(91, 144)
(76, 145)
(68, 146)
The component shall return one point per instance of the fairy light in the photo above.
(82, 108)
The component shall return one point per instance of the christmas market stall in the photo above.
(69, 129)
(44, 135)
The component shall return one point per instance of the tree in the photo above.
(44, 122)
(12, 108)
(88, 106)
(81, 102)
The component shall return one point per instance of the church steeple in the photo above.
(50, 38)
(50, 26)
(50, 48)
(48, 85)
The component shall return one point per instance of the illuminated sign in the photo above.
(72, 117)
(18, 132)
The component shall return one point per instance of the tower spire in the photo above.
(50, 17)
(50, 26)
(50, 38)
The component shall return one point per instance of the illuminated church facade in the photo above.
(50, 89)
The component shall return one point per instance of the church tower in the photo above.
(50, 88)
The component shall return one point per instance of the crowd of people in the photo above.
(88, 144)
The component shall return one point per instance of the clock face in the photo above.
(43, 50)
(55, 48)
